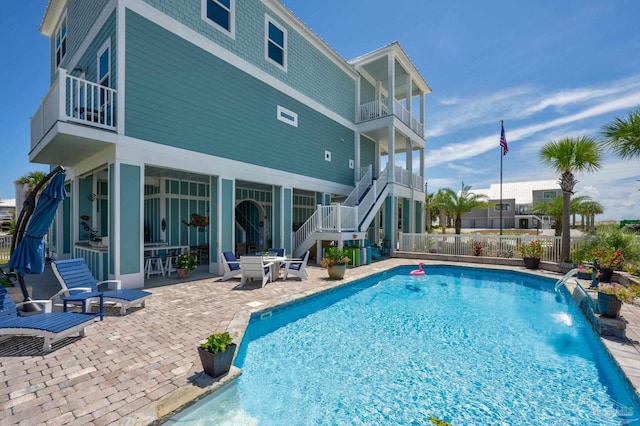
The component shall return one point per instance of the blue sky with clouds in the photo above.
(549, 69)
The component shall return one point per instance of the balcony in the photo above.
(76, 119)
(380, 108)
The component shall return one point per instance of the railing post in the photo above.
(320, 220)
(339, 219)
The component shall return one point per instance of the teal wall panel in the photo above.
(368, 153)
(287, 215)
(308, 70)
(276, 221)
(198, 102)
(213, 219)
(66, 220)
(89, 60)
(388, 218)
(420, 227)
(112, 225)
(227, 217)
(130, 228)
(406, 212)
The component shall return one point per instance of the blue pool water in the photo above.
(469, 346)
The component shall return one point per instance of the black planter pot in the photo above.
(531, 262)
(584, 275)
(609, 305)
(605, 275)
(218, 364)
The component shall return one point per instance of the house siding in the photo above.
(182, 103)
(367, 153)
(81, 15)
(367, 92)
(309, 70)
(89, 60)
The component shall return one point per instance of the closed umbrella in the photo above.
(29, 254)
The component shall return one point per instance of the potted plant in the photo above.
(216, 354)
(185, 262)
(584, 272)
(335, 260)
(609, 260)
(611, 296)
(531, 252)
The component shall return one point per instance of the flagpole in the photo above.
(501, 155)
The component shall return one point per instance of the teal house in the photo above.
(222, 125)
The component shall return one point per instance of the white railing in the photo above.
(309, 227)
(362, 185)
(491, 245)
(372, 110)
(417, 181)
(5, 248)
(74, 99)
(380, 108)
(337, 218)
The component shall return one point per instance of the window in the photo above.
(549, 194)
(505, 207)
(287, 116)
(104, 64)
(220, 14)
(275, 43)
(61, 40)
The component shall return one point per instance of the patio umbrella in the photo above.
(28, 255)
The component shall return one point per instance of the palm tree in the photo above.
(440, 204)
(555, 209)
(622, 137)
(567, 156)
(591, 209)
(459, 204)
(31, 179)
(428, 201)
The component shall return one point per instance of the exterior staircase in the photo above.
(354, 215)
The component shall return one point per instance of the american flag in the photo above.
(503, 141)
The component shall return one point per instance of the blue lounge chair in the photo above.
(53, 326)
(230, 264)
(74, 276)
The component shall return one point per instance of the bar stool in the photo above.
(169, 265)
(153, 266)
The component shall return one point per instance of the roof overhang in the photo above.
(52, 16)
(400, 56)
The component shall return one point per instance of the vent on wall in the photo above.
(327, 155)
(287, 116)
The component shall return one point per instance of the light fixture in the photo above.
(92, 197)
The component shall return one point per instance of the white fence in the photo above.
(491, 245)
(5, 248)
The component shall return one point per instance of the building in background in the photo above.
(517, 200)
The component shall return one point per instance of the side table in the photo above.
(82, 297)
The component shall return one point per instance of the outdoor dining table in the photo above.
(275, 269)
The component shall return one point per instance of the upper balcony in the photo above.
(377, 109)
(76, 119)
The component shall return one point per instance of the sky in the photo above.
(550, 69)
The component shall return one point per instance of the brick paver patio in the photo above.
(137, 368)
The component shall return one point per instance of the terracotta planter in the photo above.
(609, 305)
(337, 271)
(531, 262)
(182, 273)
(605, 275)
(218, 364)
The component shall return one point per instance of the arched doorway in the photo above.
(251, 227)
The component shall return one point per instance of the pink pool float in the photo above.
(418, 271)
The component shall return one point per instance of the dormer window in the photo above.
(275, 43)
(220, 14)
(61, 40)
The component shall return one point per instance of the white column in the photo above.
(357, 101)
(422, 108)
(409, 91)
(391, 78)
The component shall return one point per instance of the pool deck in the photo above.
(135, 369)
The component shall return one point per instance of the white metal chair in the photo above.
(253, 267)
(296, 267)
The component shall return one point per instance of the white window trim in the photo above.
(281, 117)
(105, 46)
(55, 37)
(285, 56)
(231, 32)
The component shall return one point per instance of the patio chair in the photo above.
(296, 267)
(74, 277)
(253, 267)
(53, 326)
(230, 264)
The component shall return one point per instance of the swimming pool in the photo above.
(470, 346)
